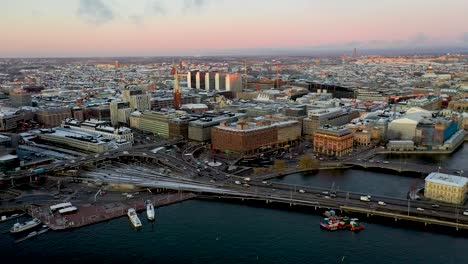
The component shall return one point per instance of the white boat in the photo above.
(149, 210)
(18, 228)
(132, 215)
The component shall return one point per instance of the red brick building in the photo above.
(243, 137)
(249, 137)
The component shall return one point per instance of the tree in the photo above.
(279, 165)
(308, 162)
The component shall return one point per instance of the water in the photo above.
(363, 181)
(214, 232)
(454, 161)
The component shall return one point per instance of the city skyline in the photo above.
(54, 28)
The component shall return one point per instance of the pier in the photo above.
(88, 214)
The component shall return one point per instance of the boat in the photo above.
(132, 215)
(18, 228)
(355, 226)
(33, 234)
(149, 210)
(5, 218)
(333, 222)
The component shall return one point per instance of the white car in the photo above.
(465, 212)
(301, 191)
(420, 209)
(381, 203)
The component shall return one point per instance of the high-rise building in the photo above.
(137, 99)
(120, 112)
(201, 80)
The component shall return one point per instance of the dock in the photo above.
(88, 214)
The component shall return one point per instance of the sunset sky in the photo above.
(39, 28)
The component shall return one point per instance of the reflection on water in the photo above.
(456, 161)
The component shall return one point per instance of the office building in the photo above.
(333, 141)
(446, 188)
(52, 117)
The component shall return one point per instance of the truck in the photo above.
(365, 198)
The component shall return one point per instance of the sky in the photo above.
(74, 28)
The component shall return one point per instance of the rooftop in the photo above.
(447, 179)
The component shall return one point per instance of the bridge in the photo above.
(314, 198)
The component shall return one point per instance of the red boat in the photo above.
(333, 222)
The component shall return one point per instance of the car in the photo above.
(237, 182)
(301, 191)
(420, 209)
(381, 203)
(325, 193)
(332, 195)
(264, 182)
(327, 197)
(465, 212)
(386, 162)
(246, 185)
(435, 206)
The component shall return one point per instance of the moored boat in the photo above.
(21, 227)
(149, 210)
(132, 215)
(333, 222)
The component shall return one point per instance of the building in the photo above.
(136, 98)
(248, 137)
(362, 138)
(202, 80)
(81, 140)
(20, 98)
(179, 127)
(333, 141)
(120, 112)
(52, 117)
(369, 95)
(200, 130)
(156, 122)
(158, 103)
(405, 128)
(400, 145)
(319, 117)
(243, 137)
(135, 119)
(446, 188)
(459, 105)
(11, 118)
(97, 127)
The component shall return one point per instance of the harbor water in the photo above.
(215, 232)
